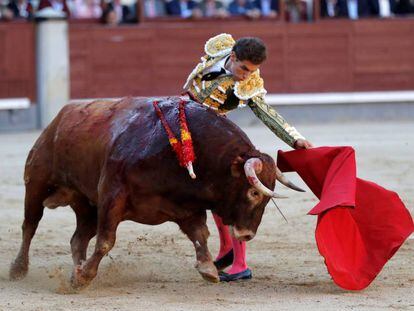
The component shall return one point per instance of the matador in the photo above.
(228, 77)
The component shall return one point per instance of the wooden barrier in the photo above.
(155, 58)
(17, 60)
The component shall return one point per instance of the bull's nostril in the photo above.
(247, 237)
(243, 234)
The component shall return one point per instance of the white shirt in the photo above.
(57, 6)
(266, 7)
(217, 67)
(384, 8)
(185, 11)
(23, 9)
(330, 6)
(352, 9)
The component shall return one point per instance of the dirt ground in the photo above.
(151, 268)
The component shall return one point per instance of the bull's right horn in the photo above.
(282, 178)
(252, 166)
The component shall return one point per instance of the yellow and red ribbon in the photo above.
(183, 149)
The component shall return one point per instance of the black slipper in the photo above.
(244, 275)
(224, 261)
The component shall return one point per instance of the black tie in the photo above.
(212, 75)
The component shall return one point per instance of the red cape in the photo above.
(360, 224)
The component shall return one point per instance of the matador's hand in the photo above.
(302, 144)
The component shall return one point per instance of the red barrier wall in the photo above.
(17, 60)
(155, 58)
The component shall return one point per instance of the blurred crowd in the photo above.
(355, 9)
(129, 11)
(108, 11)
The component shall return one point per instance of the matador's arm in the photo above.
(274, 121)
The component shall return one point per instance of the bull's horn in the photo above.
(191, 170)
(282, 178)
(252, 166)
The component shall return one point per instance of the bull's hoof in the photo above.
(208, 271)
(18, 270)
(78, 281)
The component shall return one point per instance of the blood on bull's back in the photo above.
(130, 133)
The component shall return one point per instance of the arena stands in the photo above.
(122, 47)
(129, 11)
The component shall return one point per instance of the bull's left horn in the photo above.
(282, 178)
(191, 170)
(252, 166)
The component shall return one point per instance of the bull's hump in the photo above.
(137, 115)
(136, 128)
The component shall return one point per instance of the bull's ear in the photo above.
(237, 166)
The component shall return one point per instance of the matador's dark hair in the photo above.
(251, 49)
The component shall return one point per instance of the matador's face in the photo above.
(241, 69)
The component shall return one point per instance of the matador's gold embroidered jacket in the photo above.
(224, 94)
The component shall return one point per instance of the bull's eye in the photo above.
(254, 195)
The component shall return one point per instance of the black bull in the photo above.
(111, 161)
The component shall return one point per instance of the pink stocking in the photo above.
(225, 237)
(239, 261)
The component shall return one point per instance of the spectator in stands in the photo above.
(183, 8)
(112, 12)
(363, 8)
(329, 8)
(404, 7)
(56, 5)
(154, 8)
(130, 11)
(243, 8)
(5, 12)
(353, 9)
(296, 11)
(267, 8)
(86, 9)
(213, 8)
(20, 9)
(382, 8)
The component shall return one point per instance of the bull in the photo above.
(111, 161)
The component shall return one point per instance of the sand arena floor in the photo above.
(151, 268)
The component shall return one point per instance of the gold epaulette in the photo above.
(215, 48)
(252, 86)
(219, 45)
